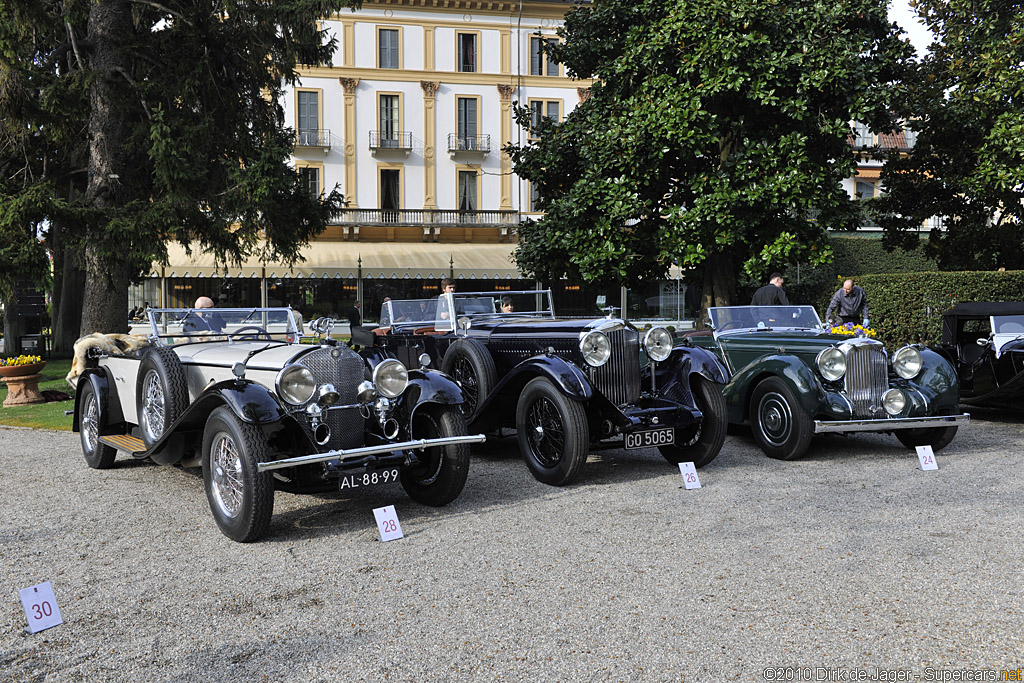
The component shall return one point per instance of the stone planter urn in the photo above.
(22, 384)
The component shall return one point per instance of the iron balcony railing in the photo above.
(313, 138)
(396, 139)
(468, 143)
(423, 217)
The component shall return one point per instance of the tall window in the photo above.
(387, 39)
(543, 109)
(467, 52)
(540, 65)
(467, 191)
(865, 189)
(534, 198)
(309, 178)
(862, 135)
(309, 117)
(467, 123)
(389, 121)
(390, 196)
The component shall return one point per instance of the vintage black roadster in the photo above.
(790, 378)
(562, 384)
(232, 391)
(985, 342)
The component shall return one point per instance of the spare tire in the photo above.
(469, 363)
(161, 393)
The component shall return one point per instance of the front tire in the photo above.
(441, 473)
(936, 437)
(469, 363)
(98, 455)
(241, 499)
(161, 393)
(702, 442)
(780, 425)
(552, 432)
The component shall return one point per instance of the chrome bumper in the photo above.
(890, 424)
(343, 454)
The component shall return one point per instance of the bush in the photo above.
(908, 307)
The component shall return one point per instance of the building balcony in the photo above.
(396, 140)
(320, 138)
(434, 223)
(477, 144)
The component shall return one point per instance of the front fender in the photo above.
(790, 369)
(111, 417)
(427, 387)
(937, 382)
(688, 360)
(502, 401)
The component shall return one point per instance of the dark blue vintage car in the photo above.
(562, 384)
(985, 343)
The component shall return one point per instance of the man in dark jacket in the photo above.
(771, 294)
(851, 302)
(355, 319)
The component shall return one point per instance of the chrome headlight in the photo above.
(596, 348)
(328, 395)
(894, 401)
(366, 392)
(831, 364)
(658, 343)
(907, 362)
(390, 378)
(295, 384)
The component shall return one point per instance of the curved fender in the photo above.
(428, 386)
(566, 376)
(938, 382)
(688, 360)
(249, 401)
(790, 369)
(110, 407)
(373, 355)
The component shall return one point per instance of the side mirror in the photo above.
(982, 342)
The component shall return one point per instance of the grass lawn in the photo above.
(43, 415)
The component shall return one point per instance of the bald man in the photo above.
(199, 322)
(851, 302)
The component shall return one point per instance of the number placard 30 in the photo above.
(40, 607)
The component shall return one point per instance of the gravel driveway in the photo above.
(849, 558)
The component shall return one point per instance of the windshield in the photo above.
(1008, 324)
(497, 304)
(407, 311)
(174, 326)
(732, 318)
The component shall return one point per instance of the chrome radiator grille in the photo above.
(345, 373)
(867, 378)
(619, 378)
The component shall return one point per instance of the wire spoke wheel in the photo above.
(228, 486)
(546, 432)
(153, 405)
(464, 374)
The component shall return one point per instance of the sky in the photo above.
(901, 13)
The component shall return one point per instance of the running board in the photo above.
(124, 442)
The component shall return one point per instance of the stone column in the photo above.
(505, 90)
(349, 85)
(429, 144)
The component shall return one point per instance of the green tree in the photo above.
(178, 105)
(712, 132)
(966, 102)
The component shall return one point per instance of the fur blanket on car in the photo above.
(114, 344)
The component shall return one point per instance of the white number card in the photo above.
(690, 478)
(40, 607)
(927, 458)
(387, 523)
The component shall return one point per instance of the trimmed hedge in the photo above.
(908, 307)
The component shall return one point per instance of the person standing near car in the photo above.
(851, 303)
(355, 317)
(771, 294)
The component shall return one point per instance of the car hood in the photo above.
(542, 327)
(269, 355)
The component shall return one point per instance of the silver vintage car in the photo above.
(235, 392)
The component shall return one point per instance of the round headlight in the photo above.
(596, 348)
(907, 362)
(295, 384)
(894, 401)
(832, 364)
(390, 377)
(658, 343)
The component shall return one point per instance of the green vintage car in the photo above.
(790, 378)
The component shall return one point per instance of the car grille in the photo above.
(619, 378)
(867, 378)
(345, 373)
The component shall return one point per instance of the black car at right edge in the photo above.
(985, 343)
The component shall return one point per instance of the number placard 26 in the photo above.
(40, 607)
(689, 472)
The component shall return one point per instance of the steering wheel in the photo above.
(731, 325)
(251, 332)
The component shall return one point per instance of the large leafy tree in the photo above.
(713, 131)
(181, 131)
(966, 103)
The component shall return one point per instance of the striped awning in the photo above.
(376, 260)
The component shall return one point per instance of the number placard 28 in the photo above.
(387, 523)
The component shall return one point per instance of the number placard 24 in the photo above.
(927, 458)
